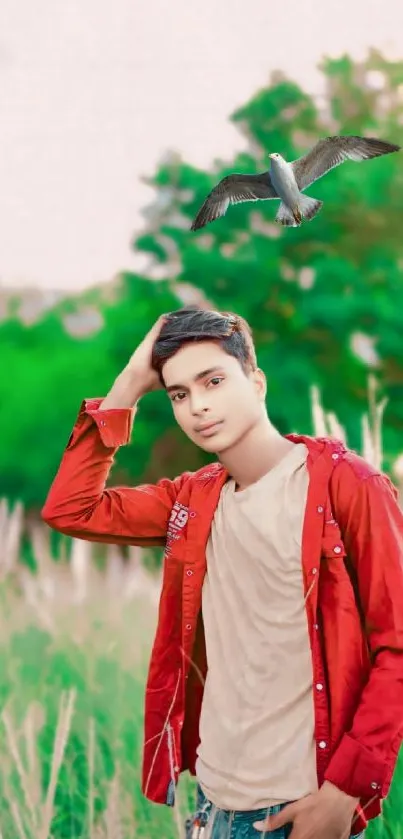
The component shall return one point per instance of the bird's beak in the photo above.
(270, 155)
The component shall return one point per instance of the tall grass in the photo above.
(76, 639)
(71, 721)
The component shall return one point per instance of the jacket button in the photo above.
(314, 570)
(337, 549)
(320, 509)
(335, 456)
(188, 626)
(189, 573)
(322, 744)
(374, 785)
(319, 686)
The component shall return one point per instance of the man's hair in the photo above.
(191, 323)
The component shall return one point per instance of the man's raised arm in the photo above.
(78, 503)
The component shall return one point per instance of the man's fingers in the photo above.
(277, 820)
(263, 826)
(159, 323)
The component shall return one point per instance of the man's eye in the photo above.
(176, 395)
(216, 379)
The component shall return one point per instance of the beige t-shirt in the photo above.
(257, 721)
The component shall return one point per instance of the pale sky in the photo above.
(92, 92)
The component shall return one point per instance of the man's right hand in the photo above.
(138, 377)
(140, 361)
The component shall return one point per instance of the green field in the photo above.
(72, 704)
(72, 688)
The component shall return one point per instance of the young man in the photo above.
(276, 674)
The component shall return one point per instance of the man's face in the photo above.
(208, 386)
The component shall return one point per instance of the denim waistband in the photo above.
(205, 806)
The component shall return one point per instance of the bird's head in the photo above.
(277, 163)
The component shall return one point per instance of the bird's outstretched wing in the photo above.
(232, 190)
(331, 151)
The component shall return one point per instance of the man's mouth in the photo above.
(208, 428)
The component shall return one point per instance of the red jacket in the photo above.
(352, 559)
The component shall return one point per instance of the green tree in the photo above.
(323, 300)
(46, 374)
(315, 294)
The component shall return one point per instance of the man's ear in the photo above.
(260, 383)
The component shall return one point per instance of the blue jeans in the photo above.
(210, 822)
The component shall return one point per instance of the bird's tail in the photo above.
(284, 216)
(307, 208)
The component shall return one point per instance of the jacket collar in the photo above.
(317, 447)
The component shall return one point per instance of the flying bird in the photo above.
(286, 181)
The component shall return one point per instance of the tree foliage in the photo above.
(324, 300)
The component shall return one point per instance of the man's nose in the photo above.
(198, 403)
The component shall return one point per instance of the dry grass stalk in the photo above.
(91, 775)
(178, 815)
(46, 566)
(15, 812)
(372, 426)
(115, 571)
(17, 818)
(335, 428)
(398, 475)
(31, 589)
(112, 815)
(80, 560)
(119, 819)
(140, 581)
(62, 733)
(32, 724)
(327, 424)
(11, 523)
(12, 740)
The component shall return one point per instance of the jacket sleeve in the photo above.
(78, 503)
(372, 527)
